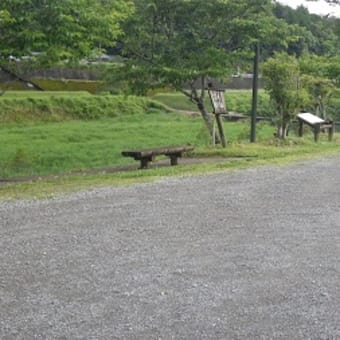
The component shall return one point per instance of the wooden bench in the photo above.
(317, 124)
(148, 155)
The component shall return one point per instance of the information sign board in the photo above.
(218, 101)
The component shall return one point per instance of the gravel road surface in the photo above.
(252, 254)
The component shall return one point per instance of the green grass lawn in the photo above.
(36, 141)
(51, 147)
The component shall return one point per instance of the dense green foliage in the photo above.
(315, 34)
(282, 77)
(59, 30)
(35, 34)
(178, 43)
(308, 83)
(321, 66)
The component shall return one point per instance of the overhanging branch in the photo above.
(21, 79)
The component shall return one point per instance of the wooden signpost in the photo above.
(218, 103)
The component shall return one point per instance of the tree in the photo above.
(322, 67)
(48, 31)
(320, 75)
(184, 43)
(282, 77)
(316, 34)
(320, 90)
(332, 2)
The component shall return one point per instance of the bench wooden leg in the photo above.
(300, 132)
(144, 162)
(173, 160)
(317, 130)
(331, 131)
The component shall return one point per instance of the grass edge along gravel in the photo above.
(63, 185)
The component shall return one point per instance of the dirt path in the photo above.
(252, 254)
(121, 168)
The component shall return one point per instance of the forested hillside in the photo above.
(315, 34)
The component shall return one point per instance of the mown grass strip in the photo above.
(52, 139)
(52, 148)
(265, 155)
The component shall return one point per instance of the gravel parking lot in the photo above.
(250, 254)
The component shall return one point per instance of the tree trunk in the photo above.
(19, 78)
(206, 116)
(197, 97)
(282, 129)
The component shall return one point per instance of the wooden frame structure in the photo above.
(317, 124)
(219, 108)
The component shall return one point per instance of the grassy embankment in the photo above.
(240, 101)
(50, 134)
(236, 100)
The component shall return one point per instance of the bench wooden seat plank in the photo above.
(148, 155)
